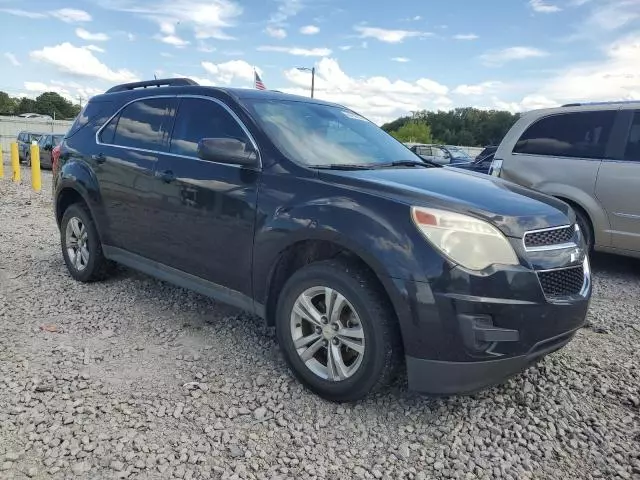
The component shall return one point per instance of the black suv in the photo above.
(363, 256)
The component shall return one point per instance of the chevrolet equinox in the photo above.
(363, 256)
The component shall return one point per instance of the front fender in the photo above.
(381, 233)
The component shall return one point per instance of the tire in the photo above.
(585, 227)
(380, 347)
(92, 266)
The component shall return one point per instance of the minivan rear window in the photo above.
(575, 134)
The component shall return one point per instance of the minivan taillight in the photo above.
(496, 167)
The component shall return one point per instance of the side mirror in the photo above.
(228, 150)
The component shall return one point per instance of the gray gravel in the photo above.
(133, 378)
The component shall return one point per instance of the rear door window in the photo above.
(576, 134)
(140, 124)
(632, 150)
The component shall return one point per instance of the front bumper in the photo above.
(463, 333)
(443, 378)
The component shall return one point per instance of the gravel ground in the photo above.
(133, 378)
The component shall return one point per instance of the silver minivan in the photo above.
(587, 155)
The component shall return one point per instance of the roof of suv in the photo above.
(177, 86)
(583, 107)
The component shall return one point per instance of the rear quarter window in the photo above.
(93, 114)
(575, 134)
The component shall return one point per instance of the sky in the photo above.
(383, 59)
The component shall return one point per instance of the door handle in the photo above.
(99, 158)
(166, 176)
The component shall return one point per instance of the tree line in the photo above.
(48, 103)
(470, 127)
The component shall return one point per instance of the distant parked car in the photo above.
(46, 145)
(35, 115)
(24, 143)
(480, 164)
(440, 154)
(587, 155)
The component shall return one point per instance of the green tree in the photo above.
(25, 105)
(461, 126)
(51, 103)
(413, 131)
(7, 104)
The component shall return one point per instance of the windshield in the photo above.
(457, 152)
(321, 135)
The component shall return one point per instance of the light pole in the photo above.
(313, 76)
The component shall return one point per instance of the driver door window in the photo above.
(197, 119)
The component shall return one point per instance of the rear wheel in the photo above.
(337, 332)
(81, 246)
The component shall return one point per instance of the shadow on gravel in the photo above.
(615, 265)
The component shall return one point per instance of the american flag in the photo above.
(258, 81)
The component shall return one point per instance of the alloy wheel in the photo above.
(76, 243)
(327, 333)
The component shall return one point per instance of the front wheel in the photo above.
(337, 331)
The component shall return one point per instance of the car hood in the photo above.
(510, 207)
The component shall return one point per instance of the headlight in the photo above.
(472, 243)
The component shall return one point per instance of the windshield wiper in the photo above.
(344, 166)
(407, 163)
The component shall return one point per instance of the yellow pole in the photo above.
(15, 163)
(1, 163)
(36, 177)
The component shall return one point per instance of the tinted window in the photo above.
(93, 112)
(197, 119)
(426, 151)
(632, 150)
(139, 125)
(581, 134)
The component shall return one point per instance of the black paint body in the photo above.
(224, 228)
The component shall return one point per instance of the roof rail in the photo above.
(160, 82)
(612, 102)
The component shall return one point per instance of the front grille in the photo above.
(543, 238)
(562, 283)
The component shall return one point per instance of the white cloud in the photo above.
(91, 37)
(12, 59)
(286, 9)
(22, 13)
(79, 61)
(304, 52)
(172, 40)
(95, 48)
(400, 59)
(229, 71)
(205, 82)
(477, 89)
(500, 57)
(344, 48)
(466, 36)
(541, 6)
(71, 15)
(388, 36)
(166, 54)
(611, 15)
(207, 18)
(378, 98)
(70, 90)
(131, 37)
(616, 76)
(275, 32)
(309, 30)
